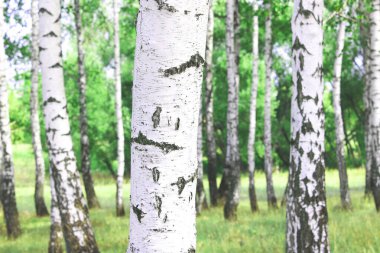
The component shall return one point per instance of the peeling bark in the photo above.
(374, 101)
(7, 186)
(232, 166)
(77, 229)
(252, 116)
(92, 200)
(39, 201)
(306, 203)
(271, 197)
(119, 115)
(164, 156)
(339, 131)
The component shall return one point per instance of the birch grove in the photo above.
(306, 228)
(165, 112)
(77, 229)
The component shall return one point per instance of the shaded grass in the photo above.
(356, 231)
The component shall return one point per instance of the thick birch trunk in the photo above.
(306, 203)
(119, 116)
(92, 200)
(7, 178)
(271, 197)
(252, 116)
(171, 42)
(339, 131)
(374, 101)
(73, 209)
(232, 167)
(56, 237)
(211, 146)
(39, 201)
(200, 197)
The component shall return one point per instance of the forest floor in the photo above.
(357, 231)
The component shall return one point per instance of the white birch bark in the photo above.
(306, 203)
(39, 200)
(73, 209)
(7, 179)
(232, 167)
(271, 197)
(119, 116)
(200, 198)
(171, 38)
(374, 101)
(339, 131)
(252, 115)
(56, 236)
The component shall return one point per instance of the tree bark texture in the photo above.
(56, 236)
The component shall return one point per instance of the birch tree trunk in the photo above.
(252, 116)
(339, 131)
(119, 116)
(73, 209)
(39, 201)
(374, 101)
(306, 203)
(200, 197)
(92, 200)
(211, 146)
(271, 197)
(55, 242)
(171, 42)
(7, 179)
(232, 167)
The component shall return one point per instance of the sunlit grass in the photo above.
(356, 231)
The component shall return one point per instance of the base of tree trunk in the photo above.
(253, 199)
(120, 211)
(55, 242)
(41, 209)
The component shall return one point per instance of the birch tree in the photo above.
(252, 116)
(7, 186)
(271, 197)
(339, 131)
(73, 209)
(209, 109)
(232, 166)
(306, 202)
(92, 200)
(119, 116)
(55, 241)
(170, 49)
(374, 101)
(39, 201)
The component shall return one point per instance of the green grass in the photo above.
(357, 231)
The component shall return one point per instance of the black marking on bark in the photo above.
(186, 12)
(50, 34)
(57, 117)
(198, 15)
(52, 130)
(158, 205)
(299, 90)
(177, 123)
(165, 6)
(307, 127)
(306, 13)
(195, 61)
(164, 146)
(43, 10)
(181, 183)
(302, 60)
(191, 250)
(57, 65)
(156, 117)
(311, 155)
(58, 19)
(298, 45)
(41, 49)
(301, 151)
(318, 72)
(67, 134)
(165, 218)
(156, 174)
(139, 213)
(51, 100)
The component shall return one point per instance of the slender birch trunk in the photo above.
(119, 116)
(39, 201)
(7, 179)
(339, 131)
(232, 167)
(200, 197)
(306, 203)
(166, 92)
(211, 146)
(73, 209)
(56, 237)
(92, 200)
(271, 197)
(374, 102)
(252, 116)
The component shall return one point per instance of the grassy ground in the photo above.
(357, 231)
